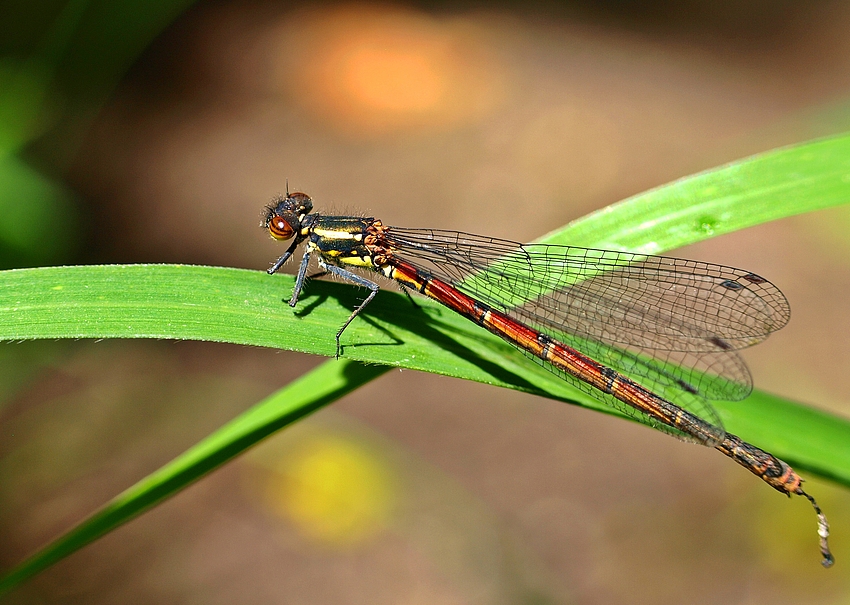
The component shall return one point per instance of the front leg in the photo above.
(279, 262)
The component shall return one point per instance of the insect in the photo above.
(654, 337)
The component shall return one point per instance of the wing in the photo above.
(672, 325)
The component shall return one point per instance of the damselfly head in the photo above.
(284, 215)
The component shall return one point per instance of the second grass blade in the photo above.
(318, 388)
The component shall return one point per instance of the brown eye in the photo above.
(280, 228)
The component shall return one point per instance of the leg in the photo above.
(299, 280)
(356, 279)
(279, 262)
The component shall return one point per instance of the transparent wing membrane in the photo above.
(672, 325)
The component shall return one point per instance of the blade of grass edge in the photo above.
(310, 392)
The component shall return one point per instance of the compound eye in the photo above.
(302, 202)
(280, 228)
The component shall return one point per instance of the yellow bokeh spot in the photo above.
(336, 490)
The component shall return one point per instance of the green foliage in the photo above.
(59, 62)
(247, 307)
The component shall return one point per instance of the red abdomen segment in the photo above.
(768, 467)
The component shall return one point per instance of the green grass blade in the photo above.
(247, 307)
(322, 386)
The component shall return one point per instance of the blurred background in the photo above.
(155, 131)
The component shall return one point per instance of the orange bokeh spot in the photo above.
(393, 79)
(381, 70)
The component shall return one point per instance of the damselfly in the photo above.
(652, 336)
